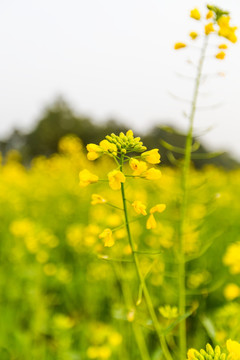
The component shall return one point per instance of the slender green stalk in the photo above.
(136, 329)
(141, 278)
(185, 187)
(114, 206)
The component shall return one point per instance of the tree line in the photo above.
(59, 119)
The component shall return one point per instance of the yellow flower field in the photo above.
(64, 295)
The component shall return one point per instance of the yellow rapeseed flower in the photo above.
(137, 166)
(151, 222)
(232, 36)
(139, 207)
(107, 146)
(106, 235)
(195, 14)
(231, 291)
(232, 258)
(209, 14)
(191, 354)
(94, 151)
(104, 352)
(86, 178)
(70, 144)
(209, 28)
(221, 55)
(115, 178)
(153, 174)
(179, 45)
(234, 349)
(223, 21)
(151, 156)
(158, 208)
(229, 33)
(222, 46)
(193, 35)
(169, 312)
(226, 30)
(115, 339)
(97, 199)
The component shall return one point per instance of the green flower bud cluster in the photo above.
(126, 142)
(217, 11)
(209, 354)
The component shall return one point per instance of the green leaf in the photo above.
(208, 325)
(178, 149)
(170, 147)
(207, 155)
(175, 323)
(173, 160)
(168, 329)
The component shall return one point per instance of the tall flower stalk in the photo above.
(119, 147)
(184, 202)
(217, 21)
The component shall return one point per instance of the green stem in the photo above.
(114, 206)
(141, 278)
(185, 187)
(136, 329)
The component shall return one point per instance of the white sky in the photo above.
(113, 58)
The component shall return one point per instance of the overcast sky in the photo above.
(114, 58)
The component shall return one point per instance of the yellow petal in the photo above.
(221, 55)
(139, 167)
(195, 14)
(209, 14)
(209, 28)
(139, 207)
(179, 45)
(222, 46)
(193, 35)
(93, 155)
(158, 208)
(115, 178)
(86, 178)
(151, 156)
(151, 222)
(153, 174)
(106, 235)
(97, 199)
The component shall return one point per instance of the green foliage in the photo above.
(59, 119)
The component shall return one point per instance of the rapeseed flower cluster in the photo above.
(233, 352)
(118, 147)
(123, 149)
(216, 21)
